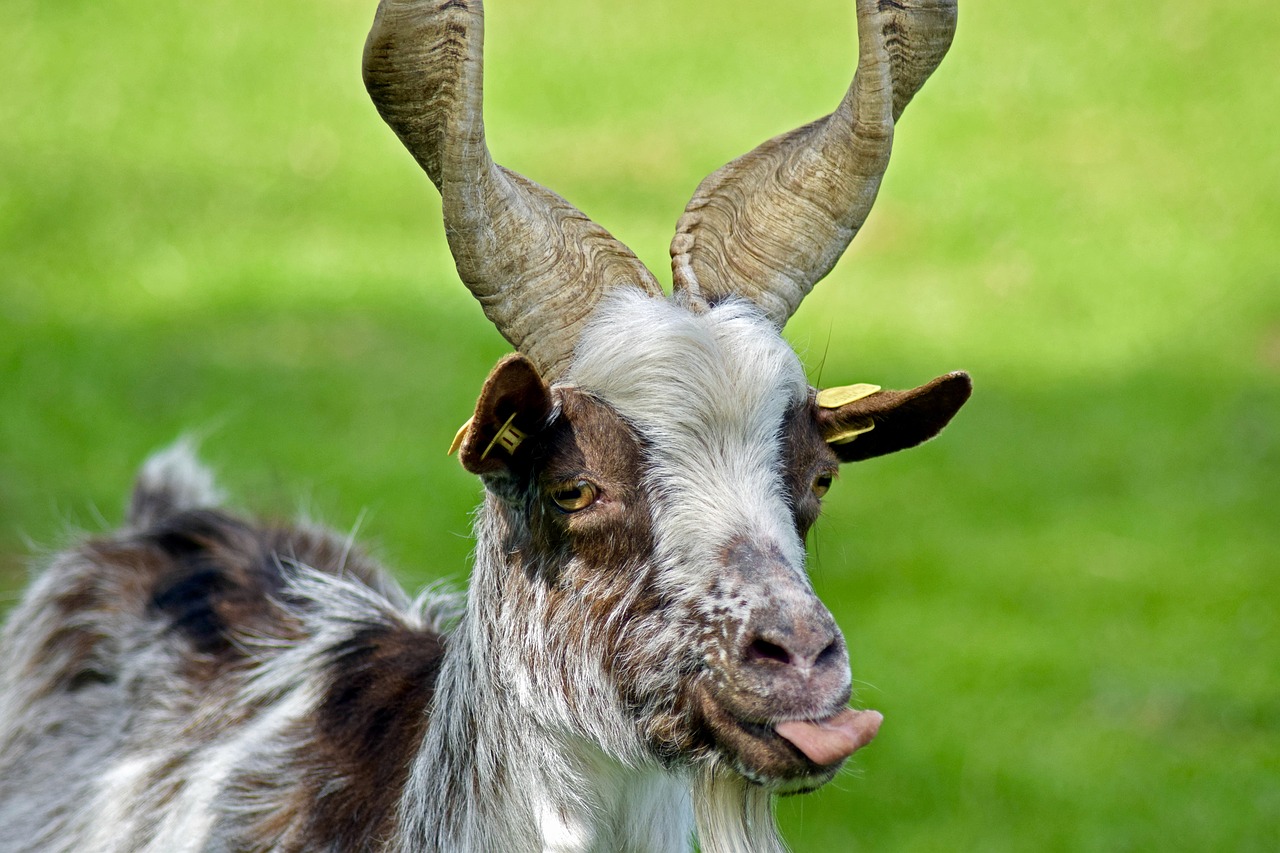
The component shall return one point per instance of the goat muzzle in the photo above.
(776, 702)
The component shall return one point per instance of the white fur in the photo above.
(177, 475)
(187, 826)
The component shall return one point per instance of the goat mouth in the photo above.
(789, 756)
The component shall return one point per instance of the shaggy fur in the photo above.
(203, 682)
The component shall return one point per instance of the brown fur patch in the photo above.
(371, 724)
(221, 578)
(806, 455)
(205, 576)
(353, 758)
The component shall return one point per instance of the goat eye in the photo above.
(822, 484)
(575, 496)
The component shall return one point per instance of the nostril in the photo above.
(762, 650)
(827, 655)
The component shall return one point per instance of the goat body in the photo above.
(640, 652)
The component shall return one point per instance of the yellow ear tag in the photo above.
(851, 432)
(509, 437)
(834, 398)
(460, 437)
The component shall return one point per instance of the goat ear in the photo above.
(513, 406)
(860, 422)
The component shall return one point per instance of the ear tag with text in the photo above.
(460, 437)
(834, 398)
(509, 438)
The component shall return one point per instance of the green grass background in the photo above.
(1067, 608)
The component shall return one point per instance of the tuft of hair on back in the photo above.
(171, 481)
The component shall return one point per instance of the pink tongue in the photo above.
(828, 741)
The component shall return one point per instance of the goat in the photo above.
(640, 654)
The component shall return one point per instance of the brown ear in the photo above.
(512, 407)
(885, 421)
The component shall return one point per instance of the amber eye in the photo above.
(822, 483)
(574, 496)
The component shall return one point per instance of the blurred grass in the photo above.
(1067, 607)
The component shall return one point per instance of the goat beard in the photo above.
(732, 814)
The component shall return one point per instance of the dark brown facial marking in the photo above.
(807, 457)
(593, 564)
(590, 448)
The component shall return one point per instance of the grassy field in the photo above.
(1068, 608)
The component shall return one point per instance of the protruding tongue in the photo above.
(831, 740)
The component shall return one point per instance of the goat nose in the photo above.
(811, 646)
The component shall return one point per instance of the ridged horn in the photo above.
(537, 264)
(772, 223)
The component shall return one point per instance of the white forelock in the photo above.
(708, 393)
